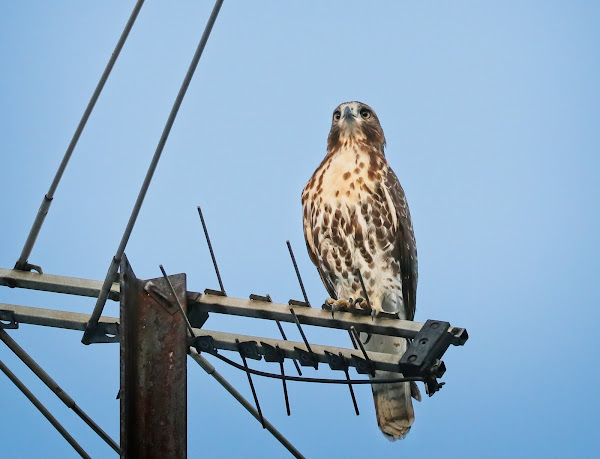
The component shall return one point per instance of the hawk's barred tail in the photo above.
(393, 407)
(393, 404)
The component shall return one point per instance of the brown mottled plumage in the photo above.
(356, 217)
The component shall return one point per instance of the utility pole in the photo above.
(153, 367)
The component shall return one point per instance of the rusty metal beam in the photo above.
(153, 368)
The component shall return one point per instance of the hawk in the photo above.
(356, 218)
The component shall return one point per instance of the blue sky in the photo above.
(491, 112)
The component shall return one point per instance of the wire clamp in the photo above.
(7, 320)
(204, 344)
(249, 349)
(272, 353)
(363, 366)
(306, 358)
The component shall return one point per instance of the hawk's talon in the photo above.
(327, 304)
(362, 307)
(336, 305)
(352, 308)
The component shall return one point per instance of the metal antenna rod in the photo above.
(262, 420)
(364, 289)
(350, 387)
(32, 398)
(210, 369)
(212, 254)
(285, 338)
(360, 344)
(114, 266)
(187, 322)
(352, 339)
(301, 331)
(54, 387)
(285, 392)
(312, 354)
(22, 263)
(297, 272)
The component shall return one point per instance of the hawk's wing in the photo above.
(405, 249)
(310, 233)
(324, 277)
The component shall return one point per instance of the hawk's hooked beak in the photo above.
(348, 115)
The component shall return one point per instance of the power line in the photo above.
(316, 380)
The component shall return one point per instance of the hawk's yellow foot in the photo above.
(337, 305)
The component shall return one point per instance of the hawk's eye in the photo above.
(365, 113)
(337, 115)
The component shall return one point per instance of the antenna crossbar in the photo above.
(203, 303)
(222, 340)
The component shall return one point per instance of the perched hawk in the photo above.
(356, 218)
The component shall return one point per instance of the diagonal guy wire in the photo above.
(54, 387)
(32, 398)
(210, 369)
(114, 265)
(45, 206)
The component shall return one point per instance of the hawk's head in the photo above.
(355, 122)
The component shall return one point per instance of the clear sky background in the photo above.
(491, 112)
